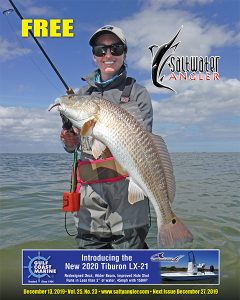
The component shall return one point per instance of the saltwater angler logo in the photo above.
(38, 270)
(181, 67)
(160, 257)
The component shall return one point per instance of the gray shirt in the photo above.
(140, 105)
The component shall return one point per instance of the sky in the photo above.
(203, 115)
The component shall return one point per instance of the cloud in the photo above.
(26, 126)
(156, 4)
(200, 100)
(31, 9)
(202, 111)
(39, 11)
(157, 26)
(10, 50)
(207, 113)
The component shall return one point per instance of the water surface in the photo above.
(207, 200)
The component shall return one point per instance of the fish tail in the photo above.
(173, 233)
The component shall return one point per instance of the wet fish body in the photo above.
(142, 155)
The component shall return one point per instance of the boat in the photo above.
(194, 271)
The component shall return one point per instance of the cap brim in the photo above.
(97, 34)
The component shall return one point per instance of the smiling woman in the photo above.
(109, 55)
(106, 219)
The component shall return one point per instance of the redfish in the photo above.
(143, 155)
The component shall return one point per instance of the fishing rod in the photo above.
(70, 198)
(68, 89)
(66, 123)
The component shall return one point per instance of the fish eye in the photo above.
(174, 221)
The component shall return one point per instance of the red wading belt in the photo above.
(89, 172)
(98, 171)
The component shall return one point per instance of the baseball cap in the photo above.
(108, 29)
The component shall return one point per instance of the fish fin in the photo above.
(97, 148)
(106, 153)
(166, 165)
(173, 233)
(135, 193)
(86, 130)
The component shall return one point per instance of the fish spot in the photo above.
(174, 221)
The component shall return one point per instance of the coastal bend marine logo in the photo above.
(160, 257)
(39, 267)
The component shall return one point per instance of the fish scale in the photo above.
(142, 155)
(117, 121)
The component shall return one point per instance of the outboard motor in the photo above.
(211, 268)
(192, 266)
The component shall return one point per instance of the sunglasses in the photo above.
(115, 49)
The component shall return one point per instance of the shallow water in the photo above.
(207, 199)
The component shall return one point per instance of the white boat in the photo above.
(182, 276)
(194, 272)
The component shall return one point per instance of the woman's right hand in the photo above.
(71, 139)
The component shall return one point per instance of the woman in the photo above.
(106, 219)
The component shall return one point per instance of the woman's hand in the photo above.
(70, 139)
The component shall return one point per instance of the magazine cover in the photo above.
(119, 149)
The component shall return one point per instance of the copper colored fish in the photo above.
(142, 155)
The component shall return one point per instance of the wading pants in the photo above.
(106, 220)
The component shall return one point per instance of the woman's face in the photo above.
(109, 64)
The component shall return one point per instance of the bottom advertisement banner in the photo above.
(120, 267)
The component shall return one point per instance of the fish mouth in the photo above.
(53, 105)
(61, 109)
